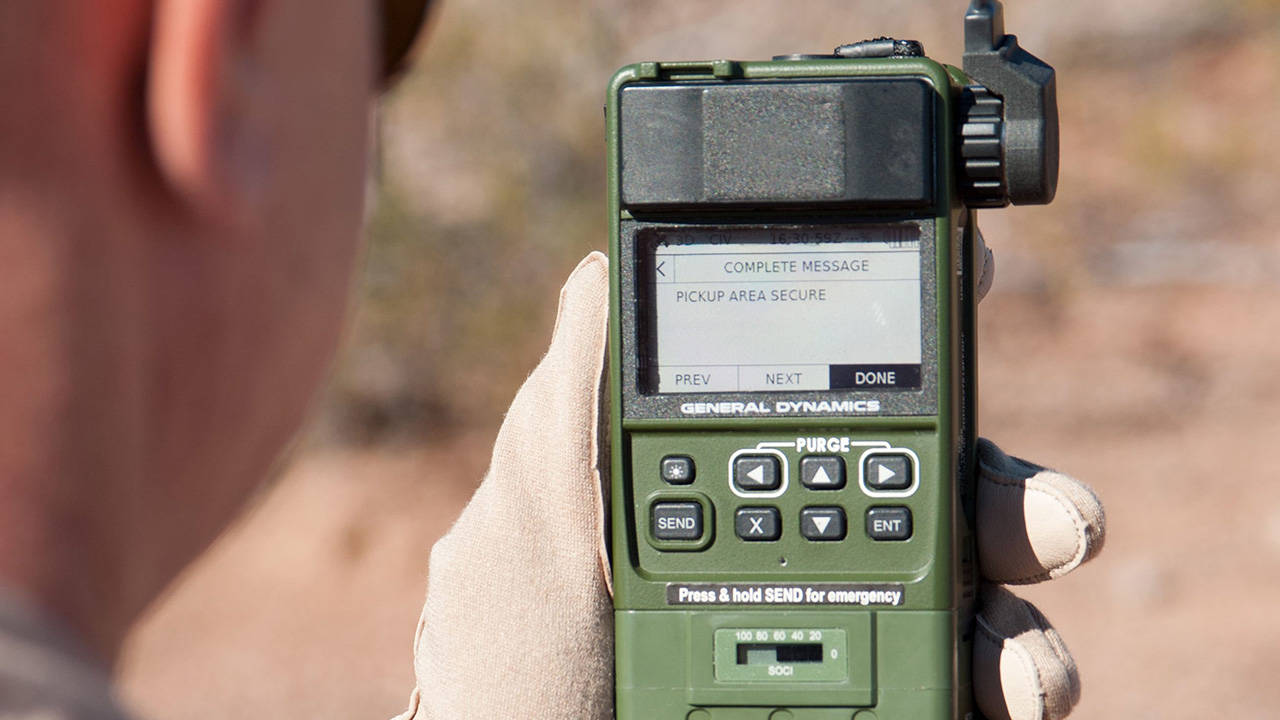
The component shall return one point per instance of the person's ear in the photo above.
(206, 95)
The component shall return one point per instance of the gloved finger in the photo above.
(1033, 524)
(987, 273)
(518, 620)
(1021, 668)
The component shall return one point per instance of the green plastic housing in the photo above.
(901, 660)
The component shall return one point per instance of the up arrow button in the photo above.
(822, 472)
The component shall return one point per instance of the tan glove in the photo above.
(518, 618)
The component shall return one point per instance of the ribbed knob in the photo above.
(981, 149)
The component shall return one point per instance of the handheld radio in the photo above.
(792, 370)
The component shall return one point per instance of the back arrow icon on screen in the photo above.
(659, 268)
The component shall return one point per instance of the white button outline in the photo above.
(783, 469)
(915, 473)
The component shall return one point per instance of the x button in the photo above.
(758, 523)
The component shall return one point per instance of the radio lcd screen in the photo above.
(767, 310)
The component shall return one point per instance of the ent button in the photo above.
(889, 523)
(677, 521)
(756, 472)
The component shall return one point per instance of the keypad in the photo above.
(759, 477)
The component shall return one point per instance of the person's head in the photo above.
(181, 193)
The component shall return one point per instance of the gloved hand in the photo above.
(518, 620)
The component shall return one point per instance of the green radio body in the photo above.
(794, 274)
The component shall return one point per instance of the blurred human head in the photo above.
(181, 194)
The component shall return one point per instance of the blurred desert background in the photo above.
(1132, 339)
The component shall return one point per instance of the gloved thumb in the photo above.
(518, 621)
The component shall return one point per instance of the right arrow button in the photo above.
(887, 471)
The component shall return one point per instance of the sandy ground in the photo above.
(1166, 400)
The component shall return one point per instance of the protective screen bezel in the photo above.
(637, 241)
